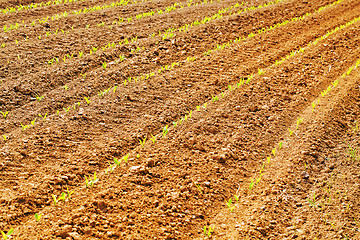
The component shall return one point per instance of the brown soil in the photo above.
(171, 188)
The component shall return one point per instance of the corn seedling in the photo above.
(66, 87)
(4, 114)
(104, 65)
(8, 234)
(24, 126)
(55, 199)
(280, 145)
(37, 217)
(153, 138)
(312, 202)
(87, 100)
(33, 122)
(90, 182)
(143, 142)
(43, 117)
(38, 98)
(229, 204)
(208, 232)
(165, 130)
(236, 198)
(66, 109)
(290, 132)
(83, 75)
(352, 152)
(261, 71)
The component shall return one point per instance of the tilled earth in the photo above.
(268, 119)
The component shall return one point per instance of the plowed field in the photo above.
(158, 119)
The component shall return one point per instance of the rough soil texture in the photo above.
(234, 123)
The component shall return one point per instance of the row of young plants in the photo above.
(17, 26)
(21, 7)
(165, 68)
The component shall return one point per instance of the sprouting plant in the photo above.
(104, 65)
(8, 234)
(153, 138)
(90, 182)
(66, 87)
(33, 122)
(208, 232)
(165, 130)
(236, 198)
(356, 127)
(300, 120)
(43, 117)
(273, 151)
(66, 109)
(110, 168)
(290, 132)
(24, 126)
(261, 71)
(38, 98)
(83, 75)
(87, 100)
(69, 193)
(125, 158)
(229, 203)
(4, 114)
(280, 145)
(143, 141)
(55, 199)
(352, 152)
(5, 138)
(252, 183)
(313, 106)
(214, 98)
(312, 202)
(205, 104)
(115, 89)
(137, 155)
(198, 108)
(37, 217)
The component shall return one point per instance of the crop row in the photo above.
(21, 7)
(17, 26)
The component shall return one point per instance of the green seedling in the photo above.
(66, 109)
(57, 112)
(125, 158)
(273, 151)
(81, 54)
(24, 126)
(66, 87)
(37, 217)
(261, 72)
(229, 203)
(214, 98)
(280, 145)
(83, 75)
(38, 98)
(175, 123)
(43, 117)
(5, 138)
(115, 89)
(104, 65)
(300, 120)
(4, 114)
(33, 122)
(208, 232)
(69, 193)
(87, 100)
(290, 132)
(8, 234)
(137, 155)
(252, 184)
(153, 138)
(165, 130)
(143, 142)
(198, 108)
(352, 152)
(55, 200)
(90, 182)
(117, 162)
(312, 202)
(236, 198)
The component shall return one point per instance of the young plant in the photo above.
(33, 122)
(69, 193)
(43, 117)
(165, 130)
(153, 138)
(4, 114)
(66, 87)
(37, 217)
(8, 234)
(24, 126)
(143, 142)
(208, 232)
(38, 98)
(5, 138)
(312, 202)
(55, 199)
(90, 182)
(87, 100)
(229, 203)
(104, 65)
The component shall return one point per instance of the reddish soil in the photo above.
(171, 187)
